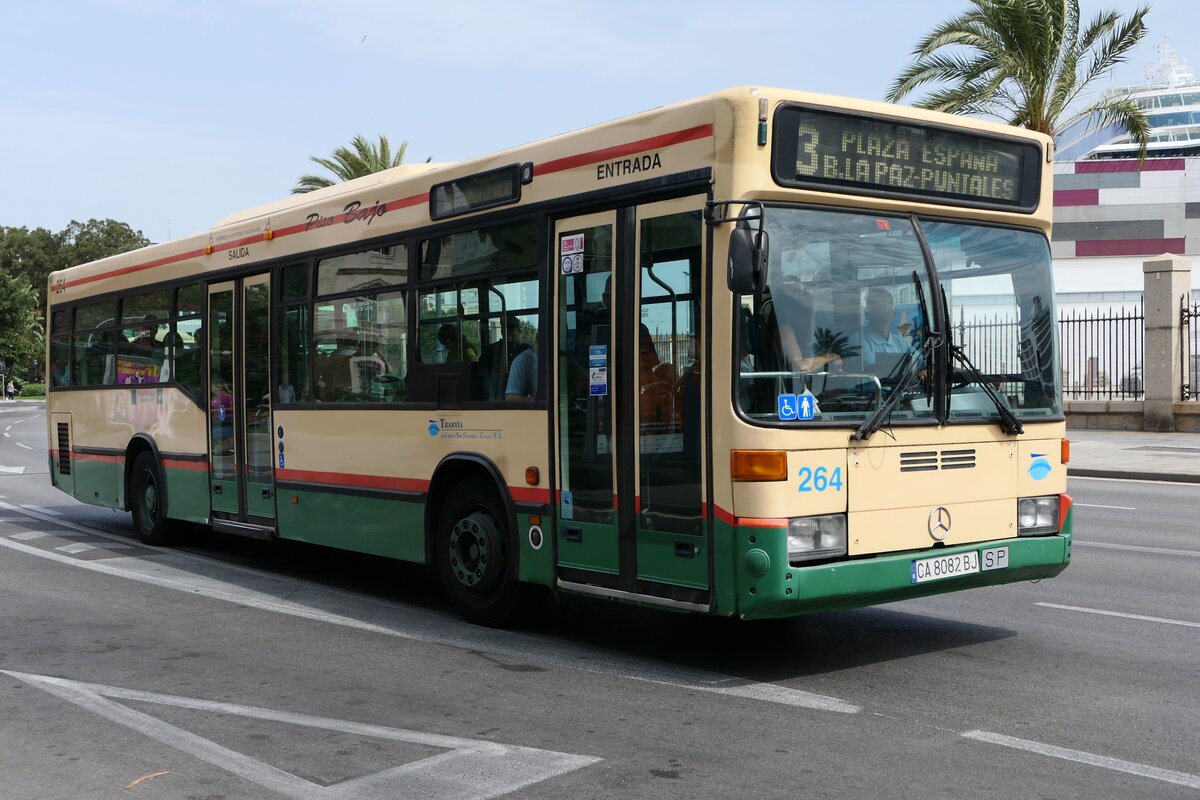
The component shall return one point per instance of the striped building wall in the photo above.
(1114, 209)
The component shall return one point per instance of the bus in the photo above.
(757, 354)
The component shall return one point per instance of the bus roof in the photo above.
(610, 154)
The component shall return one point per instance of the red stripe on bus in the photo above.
(77, 456)
(524, 494)
(178, 463)
(748, 522)
(350, 479)
(619, 150)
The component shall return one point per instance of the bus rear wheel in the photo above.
(474, 555)
(148, 501)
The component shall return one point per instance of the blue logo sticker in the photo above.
(281, 460)
(433, 428)
(221, 413)
(795, 406)
(1040, 467)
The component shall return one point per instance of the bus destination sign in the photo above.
(474, 192)
(827, 150)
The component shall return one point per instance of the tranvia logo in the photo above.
(433, 427)
(455, 429)
(1040, 467)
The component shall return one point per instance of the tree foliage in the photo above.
(1028, 62)
(347, 163)
(27, 257)
(21, 335)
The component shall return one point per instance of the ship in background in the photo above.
(1170, 99)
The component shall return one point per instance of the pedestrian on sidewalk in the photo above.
(10, 391)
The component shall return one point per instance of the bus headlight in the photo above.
(1037, 515)
(811, 538)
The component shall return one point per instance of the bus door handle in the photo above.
(686, 549)
(573, 534)
(217, 488)
(266, 494)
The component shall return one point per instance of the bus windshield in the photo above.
(849, 304)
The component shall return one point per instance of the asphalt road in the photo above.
(231, 669)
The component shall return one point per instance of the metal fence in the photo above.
(1189, 349)
(1102, 353)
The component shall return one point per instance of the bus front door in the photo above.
(631, 518)
(242, 481)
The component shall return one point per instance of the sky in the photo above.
(170, 115)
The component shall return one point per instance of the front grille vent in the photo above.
(64, 449)
(933, 460)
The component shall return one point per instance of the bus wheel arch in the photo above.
(146, 491)
(471, 539)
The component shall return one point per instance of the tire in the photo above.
(474, 553)
(147, 501)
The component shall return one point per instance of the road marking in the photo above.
(1096, 505)
(1121, 614)
(40, 510)
(12, 470)
(235, 584)
(75, 548)
(1178, 484)
(21, 444)
(1116, 764)
(468, 769)
(1140, 548)
(26, 536)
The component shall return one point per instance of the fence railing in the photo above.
(1102, 353)
(1189, 349)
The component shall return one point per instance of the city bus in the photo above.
(758, 354)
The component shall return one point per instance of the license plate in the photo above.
(941, 567)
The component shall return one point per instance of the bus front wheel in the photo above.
(474, 556)
(148, 501)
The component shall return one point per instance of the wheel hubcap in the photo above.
(471, 551)
(150, 501)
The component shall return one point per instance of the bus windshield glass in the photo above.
(849, 304)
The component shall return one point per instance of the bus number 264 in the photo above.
(820, 479)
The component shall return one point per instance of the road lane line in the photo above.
(1082, 757)
(421, 626)
(26, 536)
(471, 769)
(21, 444)
(75, 548)
(1137, 548)
(1120, 614)
(1097, 505)
(40, 510)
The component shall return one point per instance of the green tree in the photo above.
(21, 334)
(347, 163)
(34, 254)
(1028, 62)
(30, 254)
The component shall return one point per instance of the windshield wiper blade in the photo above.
(876, 420)
(1008, 420)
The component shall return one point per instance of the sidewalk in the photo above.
(1135, 455)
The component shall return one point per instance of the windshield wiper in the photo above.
(1008, 420)
(915, 360)
(930, 341)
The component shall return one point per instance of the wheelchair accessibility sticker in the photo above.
(795, 406)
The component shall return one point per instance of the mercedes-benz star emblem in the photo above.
(939, 523)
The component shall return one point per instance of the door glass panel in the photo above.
(585, 371)
(669, 376)
(256, 311)
(221, 408)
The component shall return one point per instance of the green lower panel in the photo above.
(101, 483)
(378, 526)
(588, 545)
(784, 591)
(225, 496)
(672, 558)
(536, 554)
(260, 498)
(187, 494)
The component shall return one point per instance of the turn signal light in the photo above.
(1066, 450)
(759, 465)
(533, 476)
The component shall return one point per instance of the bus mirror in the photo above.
(747, 261)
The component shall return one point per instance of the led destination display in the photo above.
(852, 153)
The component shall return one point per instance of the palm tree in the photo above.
(359, 159)
(1029, 63)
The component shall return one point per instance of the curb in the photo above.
(1130, 475)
